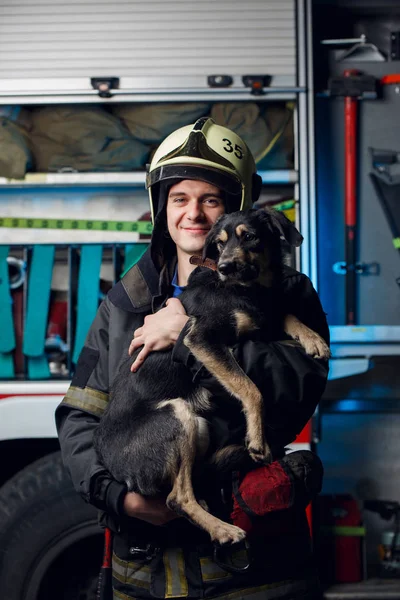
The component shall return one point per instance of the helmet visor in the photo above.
(227, 183)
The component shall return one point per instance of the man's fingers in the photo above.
(134, 345)
(141, 357)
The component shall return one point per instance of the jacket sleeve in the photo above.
(78, 415)
(290, 381)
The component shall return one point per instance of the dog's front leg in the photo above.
(182, 499)
(220, 362)
(312, 343)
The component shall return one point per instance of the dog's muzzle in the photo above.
(237, 271)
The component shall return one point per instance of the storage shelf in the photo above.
(371, 589)
(127, 179)
(365, 341)
(353, 334)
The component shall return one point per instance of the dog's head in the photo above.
(247, 245)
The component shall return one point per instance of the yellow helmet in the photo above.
(208, 152)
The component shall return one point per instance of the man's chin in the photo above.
(193, 248)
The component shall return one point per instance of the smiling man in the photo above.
(198, 173)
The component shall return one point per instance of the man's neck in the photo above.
(184, 268)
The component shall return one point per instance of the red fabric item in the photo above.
(240, 519)
(262, 491)
(266, 489)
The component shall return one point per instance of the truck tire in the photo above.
(50, 542)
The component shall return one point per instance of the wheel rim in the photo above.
(47, 557)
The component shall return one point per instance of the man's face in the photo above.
(192, 208)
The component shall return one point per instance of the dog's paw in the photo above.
(225, 534)
(315, 346)
(260, 455)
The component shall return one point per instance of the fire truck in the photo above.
(74, 214)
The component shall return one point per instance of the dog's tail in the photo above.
(231, 458)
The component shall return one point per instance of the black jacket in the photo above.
(291, 381)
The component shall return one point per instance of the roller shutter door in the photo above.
(53, 46)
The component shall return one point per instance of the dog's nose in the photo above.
(227, 268)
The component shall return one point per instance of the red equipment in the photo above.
(104, 588)
(352, 86)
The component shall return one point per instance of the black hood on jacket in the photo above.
(163, 249)
(146, 284)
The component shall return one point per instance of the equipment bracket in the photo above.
(104, 85)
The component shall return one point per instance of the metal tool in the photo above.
(360, 51)
(352, 86)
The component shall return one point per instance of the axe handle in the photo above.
(104, 587)
(350, 141)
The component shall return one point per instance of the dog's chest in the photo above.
(207, 296)
(247, 309)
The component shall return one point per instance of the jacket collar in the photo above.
(143, 288)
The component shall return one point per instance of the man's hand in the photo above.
(151, 510)
(159, 332)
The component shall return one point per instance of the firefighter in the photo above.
(208, 170)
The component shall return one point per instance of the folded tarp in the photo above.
(267, 130)
(15, 155)
(151, 123)
(83, 139)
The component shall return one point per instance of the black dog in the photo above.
(154, 427)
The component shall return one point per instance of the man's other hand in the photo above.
(152, 510)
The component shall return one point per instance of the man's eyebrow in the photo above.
(177, 194)
(206, 195)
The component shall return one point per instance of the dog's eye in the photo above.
(248, 237)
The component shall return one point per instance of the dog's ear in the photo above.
(210, 249)
(285, 227)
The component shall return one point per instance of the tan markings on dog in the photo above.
(244, 322)
(255, 257)
(182, 498)
(239, 254)
(312, 343)
(222, 236)
(228, 372)
(203, 436)
(185, 412)
(236, 255)
(191, 324)
(200, 400)
(241, 229)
